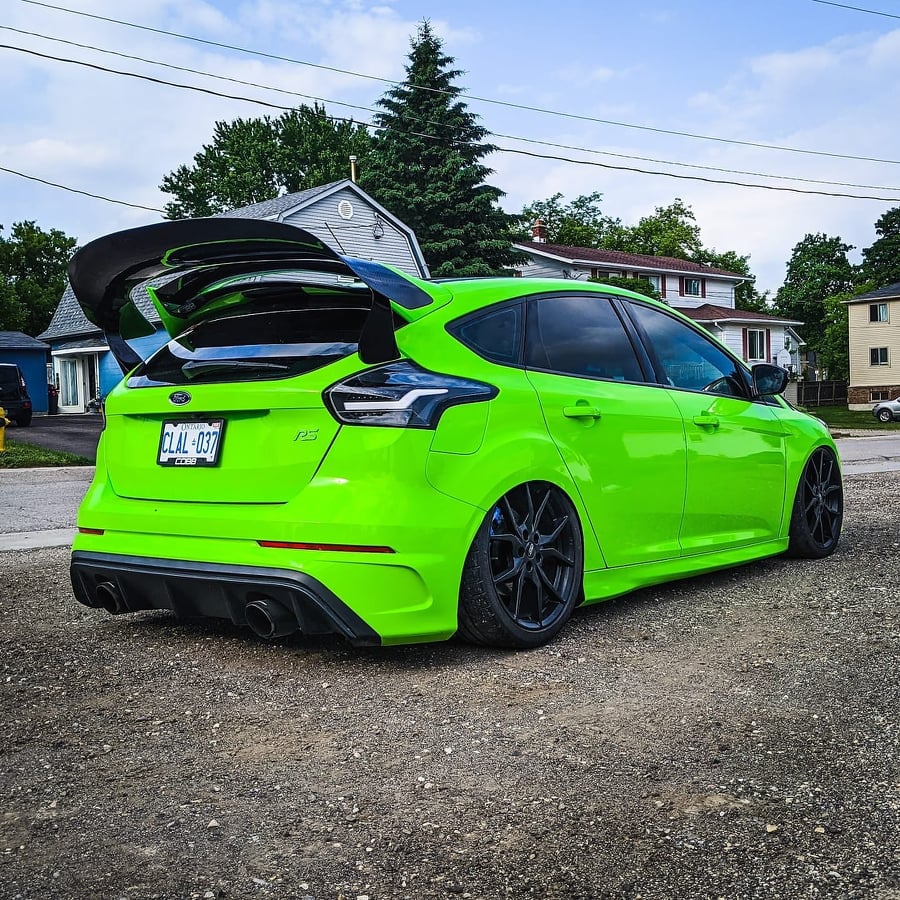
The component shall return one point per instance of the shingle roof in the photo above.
(891, 292)
(18, 340)
(618, 258)
(710, 313)
(70, 321)
(272, 208)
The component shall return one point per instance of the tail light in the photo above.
(401, 395)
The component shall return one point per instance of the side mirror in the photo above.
(768, 379)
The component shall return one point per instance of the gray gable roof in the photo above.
(271, 209)
(18, 340)
(70, 321)
(890, 292)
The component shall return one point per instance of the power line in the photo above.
(552, 157)
(64, 187)
(874, 12)
(504, 103)
(510, 137)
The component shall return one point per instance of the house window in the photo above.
(693, 287)
(653, 279)
(878, 312)
(599, 273)
(879, 395)
(756, 345)
(878, 356)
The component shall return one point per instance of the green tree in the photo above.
(881, 261)
(427, 167)
(671, 231)
(834, 350)
(745, 294)
(33, 276)
(576, 224)
(251, 160)
(638, 285)
(818, 268)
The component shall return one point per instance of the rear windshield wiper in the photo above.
(201, 366)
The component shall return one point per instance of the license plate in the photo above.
(191, 443)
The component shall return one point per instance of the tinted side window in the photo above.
(496, 335)
(689, 360)
(579, 335)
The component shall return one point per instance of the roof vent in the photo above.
(345, 209)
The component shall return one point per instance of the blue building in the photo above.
(31, 356)
(341, 214)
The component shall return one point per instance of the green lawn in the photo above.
(841, 417)
(25, 456)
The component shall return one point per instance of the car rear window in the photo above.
(9, 376)
(255, 345)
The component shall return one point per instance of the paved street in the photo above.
(41, 504)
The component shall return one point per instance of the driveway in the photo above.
(73, 433)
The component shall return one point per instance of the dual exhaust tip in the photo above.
(266, 618)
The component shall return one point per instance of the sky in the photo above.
(607, 83)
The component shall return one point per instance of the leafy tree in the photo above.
(576, 224)
(881, 261)
(427, 167)
(818, 269)
(745, 294)
(638, 285)
(834, 350)
(671, 231)
(251, 160)
(33, 276)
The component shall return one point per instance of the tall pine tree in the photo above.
(427, 170)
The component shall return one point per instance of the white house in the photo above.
(704, 293)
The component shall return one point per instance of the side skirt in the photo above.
(604, 584)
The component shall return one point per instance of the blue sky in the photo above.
(794, 73)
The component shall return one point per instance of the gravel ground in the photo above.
(730, 736)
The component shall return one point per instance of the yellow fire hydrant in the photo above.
(3, 423)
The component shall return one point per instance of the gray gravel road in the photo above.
(730, 736)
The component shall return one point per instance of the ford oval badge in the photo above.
(179, 398)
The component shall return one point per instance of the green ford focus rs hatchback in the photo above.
(330, 446)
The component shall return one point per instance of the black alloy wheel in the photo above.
(818, 507)
(523, 576)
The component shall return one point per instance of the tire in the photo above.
(885, 415)
(24, 420)
(524, 572)
(818, 508)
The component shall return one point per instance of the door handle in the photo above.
(581, 411)
(706, 420)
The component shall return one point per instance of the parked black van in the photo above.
(14, 397)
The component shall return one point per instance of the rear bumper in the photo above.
(213, 590)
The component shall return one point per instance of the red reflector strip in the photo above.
(336, 548)
(90, 530)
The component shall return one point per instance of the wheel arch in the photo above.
(796, 466)
(481, 479)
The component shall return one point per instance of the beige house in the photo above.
(874, 333)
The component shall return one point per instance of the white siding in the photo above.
(545, 268)
(355, 236)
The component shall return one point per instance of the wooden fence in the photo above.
(822, 393)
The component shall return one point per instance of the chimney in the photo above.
(353, 172)
(539, 232)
